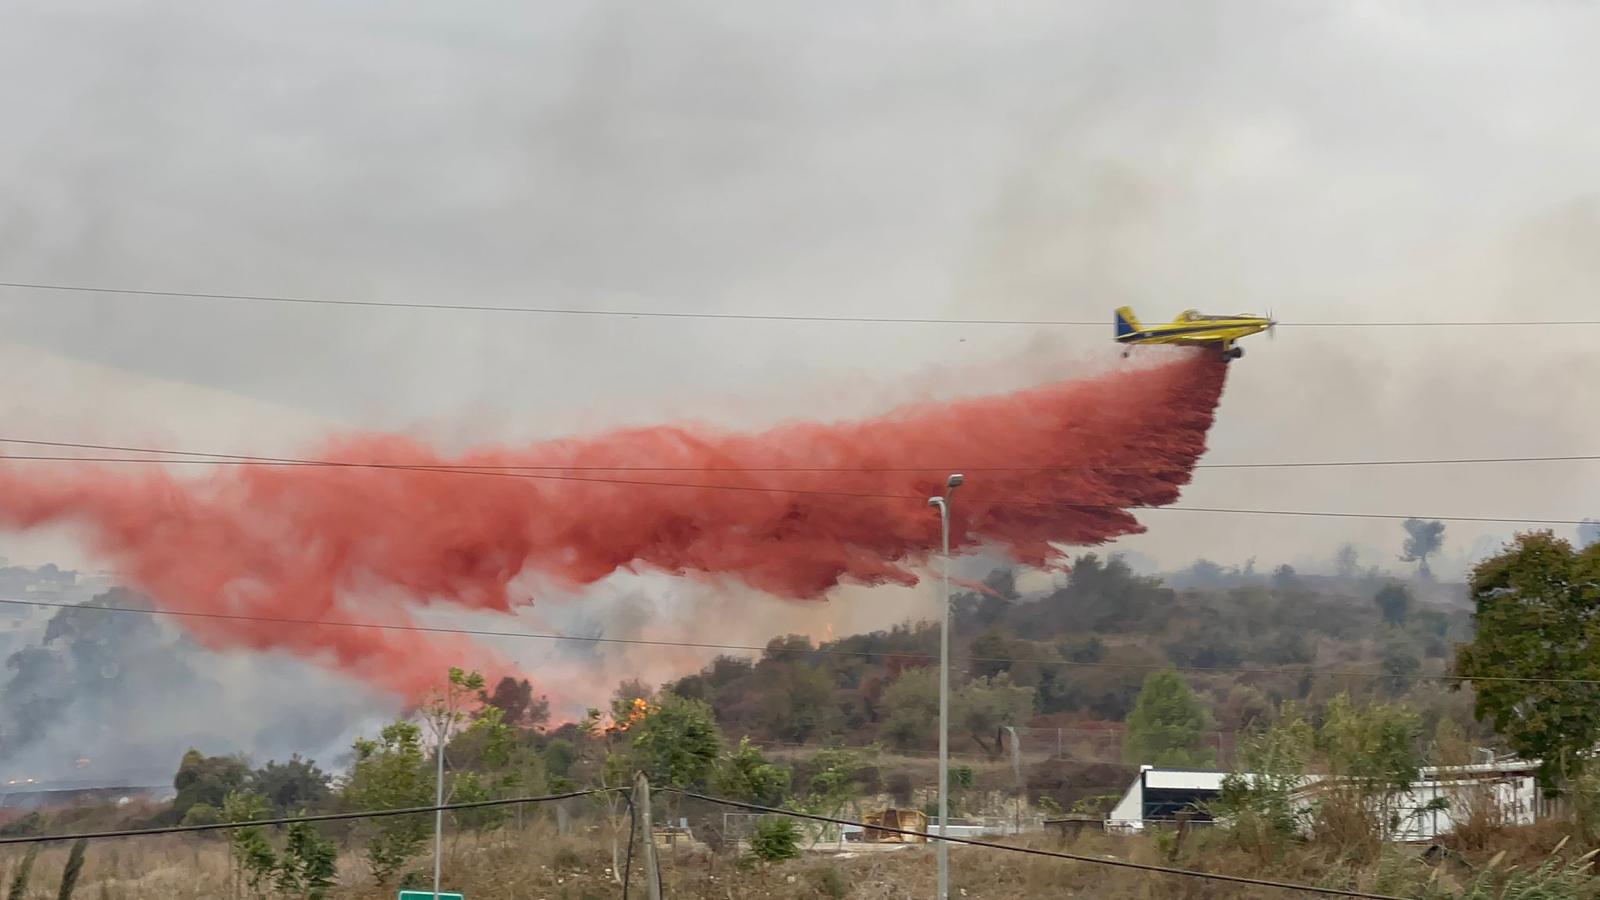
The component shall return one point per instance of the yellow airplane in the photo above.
(1191, 329)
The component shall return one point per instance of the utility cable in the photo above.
(751, 317)
(1031, 851)
(1296, 671)
(295, 820)
(245, 459)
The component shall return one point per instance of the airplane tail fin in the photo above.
(1126, 322)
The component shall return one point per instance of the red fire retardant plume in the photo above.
(1059, 464)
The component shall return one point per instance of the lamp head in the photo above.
(954, 481)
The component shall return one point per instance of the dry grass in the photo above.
(536, 864)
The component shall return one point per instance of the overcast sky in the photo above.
(1327, 161)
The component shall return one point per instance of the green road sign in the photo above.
(428, 895)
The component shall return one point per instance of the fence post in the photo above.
(1184, 817)
(641, 798)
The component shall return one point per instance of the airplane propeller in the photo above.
(1272, 327)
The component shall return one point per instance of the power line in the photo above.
(294, 820)
(1325, 514)
(1295, 671)
(752, 317)
(276, 462)
(540, 310)
(1031, 851)
(245, 459)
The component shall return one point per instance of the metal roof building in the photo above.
(1158, 795)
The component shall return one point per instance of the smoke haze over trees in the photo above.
(92, 696)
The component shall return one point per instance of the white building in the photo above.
(1444, 796)
(1440, 798)
(1158, 795)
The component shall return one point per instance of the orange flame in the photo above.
(637, 713)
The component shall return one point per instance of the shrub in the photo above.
(831, 883)
(776, 838)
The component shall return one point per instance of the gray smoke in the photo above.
(95, 696)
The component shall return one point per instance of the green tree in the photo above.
(249, 846)
(985, 706)
(202, 814)
(834, 783)
(1258, 801)
(745, 774)
(469, 787)
(207, 779)
(1373, 753)
(485, 744)
(1378, 743)
(1168, 725)
(913, 704)
(1399, 663)
(1394, 603)
(391, 773)
(630, 696)
(676, 744)
(515, 700)
(1535, 612)
(795, 701)
(296, 784)
(309, 863)
(488, 761)
(1423, 539)
(447, 708)
(992, 654)
(776, 838)
(559, 755)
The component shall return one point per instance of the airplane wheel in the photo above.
(1235, 353)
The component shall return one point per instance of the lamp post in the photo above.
(943, 850)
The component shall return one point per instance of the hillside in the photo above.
(1083, 650)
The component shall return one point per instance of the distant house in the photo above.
(1445, 795)
(1158, 795)
(1440, 798)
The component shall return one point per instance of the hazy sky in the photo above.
(1328, 161)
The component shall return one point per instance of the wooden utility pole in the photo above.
(641, 800)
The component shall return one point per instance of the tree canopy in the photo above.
(1535, 608)
(1423, 539)
(676, 744)
(1394, 603)
(1168, 724)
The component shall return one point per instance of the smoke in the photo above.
(96, 696)
(1058, 464)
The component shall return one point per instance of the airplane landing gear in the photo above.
(1232, 353)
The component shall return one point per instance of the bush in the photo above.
(831, 883)
(202, 814)
(567, 858)
(776, 838)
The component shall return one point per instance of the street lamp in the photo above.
(943, 505)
